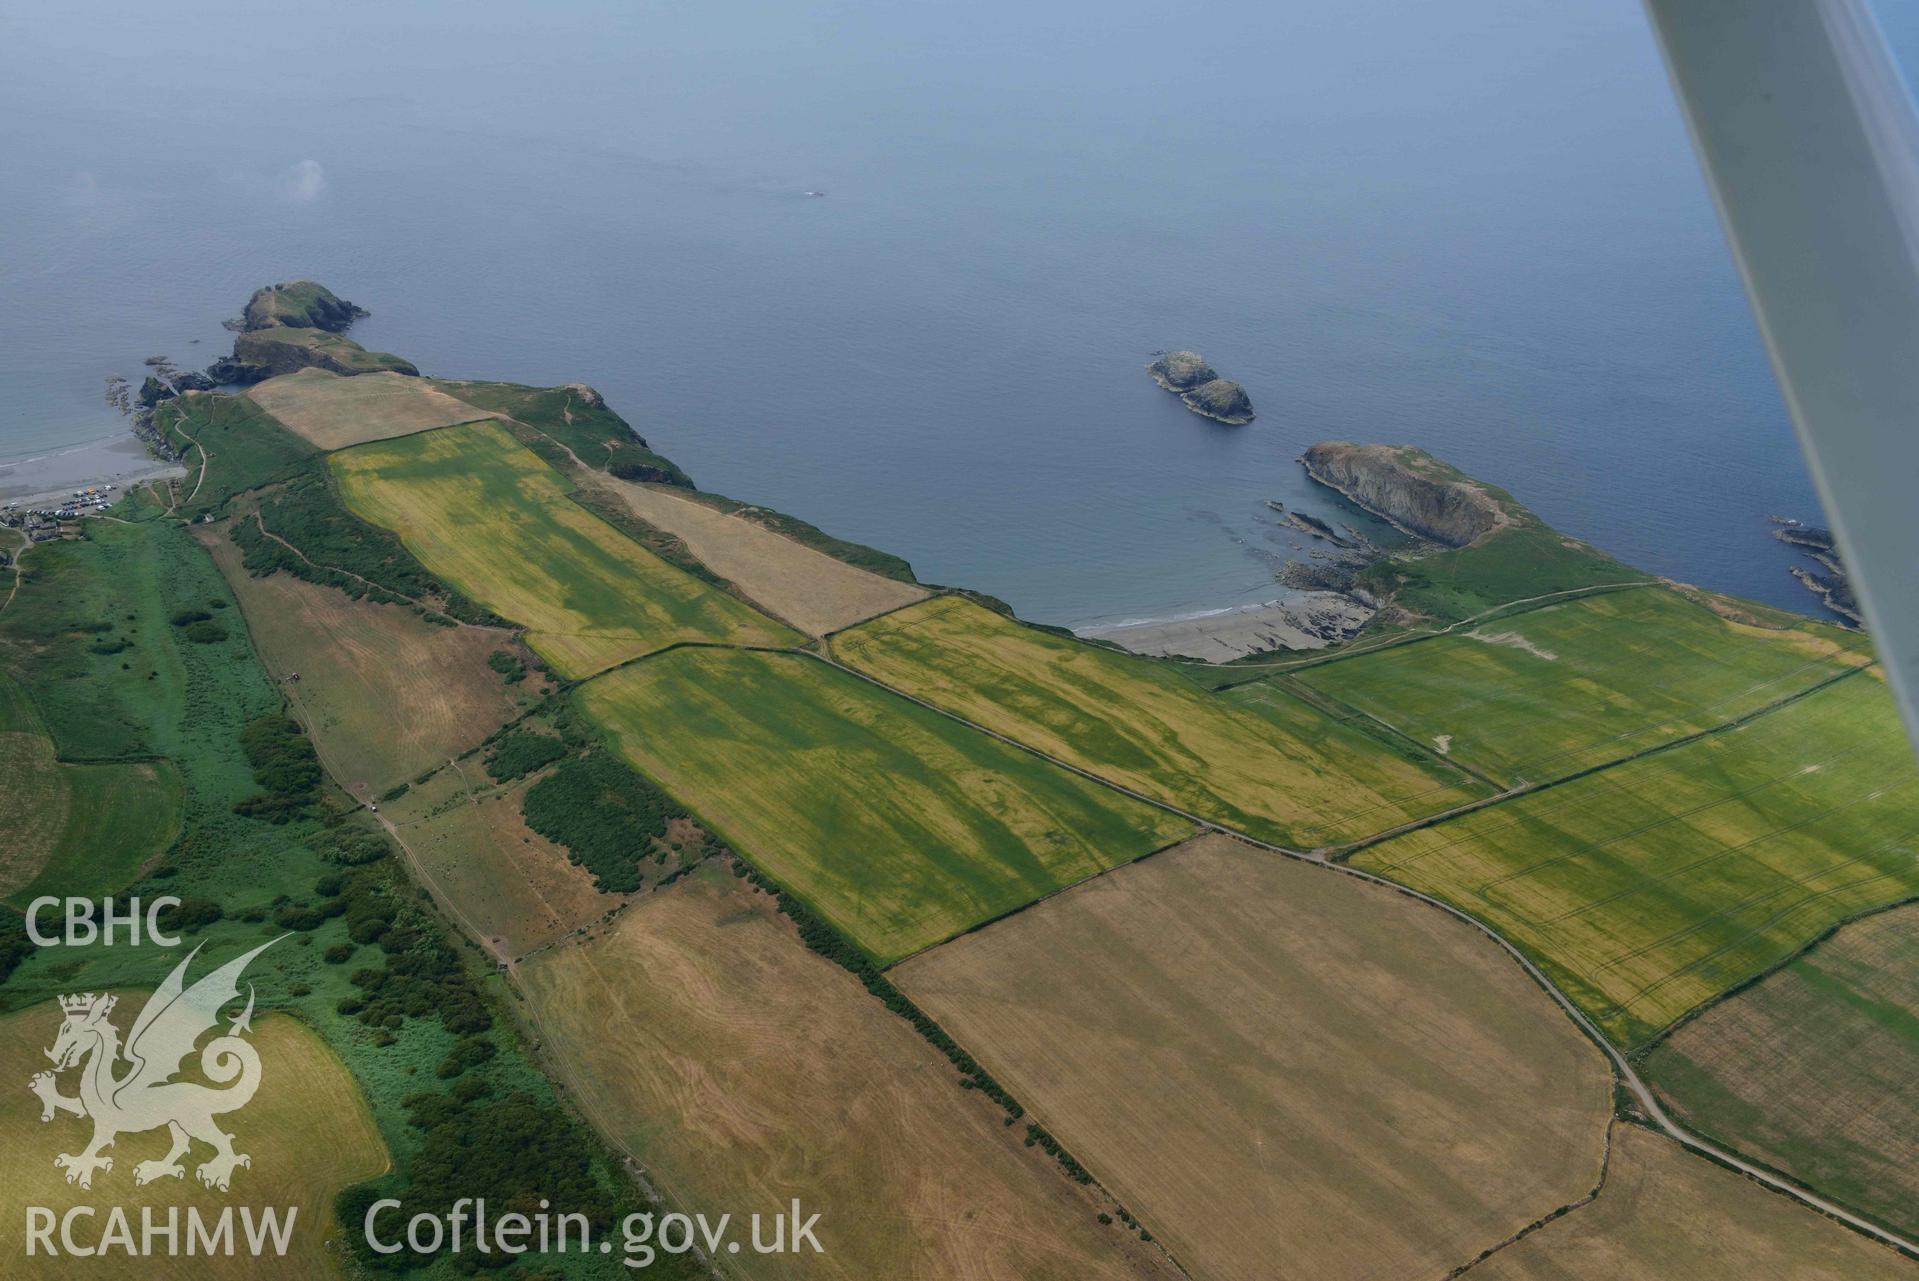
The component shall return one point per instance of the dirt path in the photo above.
(347, 573)
(26, 545)
(205, 460)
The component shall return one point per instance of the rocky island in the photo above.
(1187, 375)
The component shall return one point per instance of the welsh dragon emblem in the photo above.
(144, 1096)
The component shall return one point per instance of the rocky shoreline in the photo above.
(1304, 621)
(1830, 582)
(297, 324)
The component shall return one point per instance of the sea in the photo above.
(897, 268)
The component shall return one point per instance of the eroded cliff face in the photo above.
(1410, 488)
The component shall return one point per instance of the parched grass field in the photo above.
(385, 693)
(308, 1131)
(1667, 1214)
(746, 1071)
(897, 824)
(1254, 757)
(484, 513)
(333, 411)
(1812, 1070)
(518, 889)
(81, 829)
(1543, 694)
(1652, 886)
(1284, 1071)
(815, 592)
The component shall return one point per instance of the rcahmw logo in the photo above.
(127, 1087)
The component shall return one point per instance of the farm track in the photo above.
(347, 573)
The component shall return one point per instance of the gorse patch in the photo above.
(284, 765)
(603, 813)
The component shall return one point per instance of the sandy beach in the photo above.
(1300, 622)
(119, 459)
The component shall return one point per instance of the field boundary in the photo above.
(1552, 1216)
(1339, 853)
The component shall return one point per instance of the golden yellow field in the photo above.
(483, 512)
(899, 825)
(1280, 1069)
(809, 589)
(1254, 758)
(384, 693)
(1667, 1215)
(1654, 885)
(308, 1131)
(333, 411)
(508, 883)
(745, 1071)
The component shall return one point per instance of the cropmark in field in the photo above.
(899, 825)
(480, 510)
(1652, 886)
(1255, 758)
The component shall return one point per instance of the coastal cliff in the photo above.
(1410, 488)
(281, 349)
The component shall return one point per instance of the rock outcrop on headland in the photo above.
(1410, 488)
(299, 304)
(1200, 388)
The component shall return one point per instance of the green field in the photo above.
(249, 878)
(74, 829)
(228, 445)
(899, 825)
(1652, 886)
(1254, 757)
(482, 512)
(1539, 695)
(1812, 1069)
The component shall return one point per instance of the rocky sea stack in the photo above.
(1181, 371)
(1199, 386)
(1221, 399)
